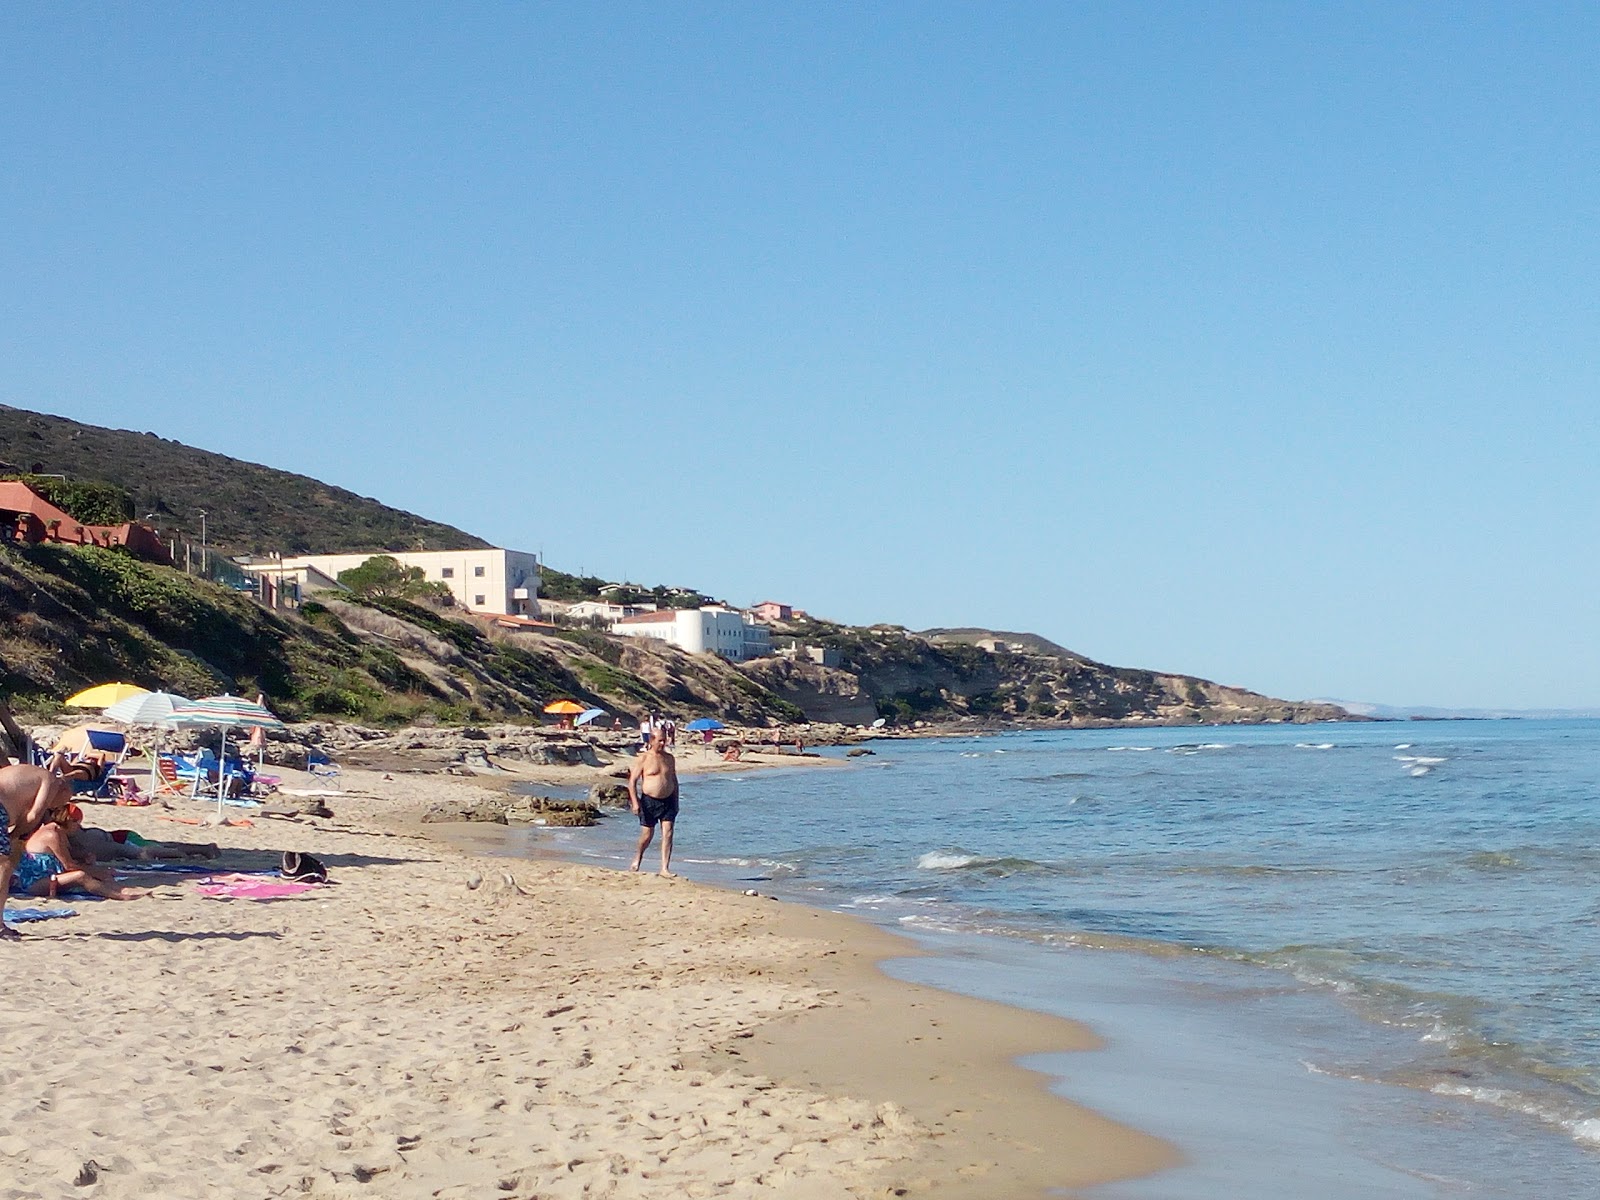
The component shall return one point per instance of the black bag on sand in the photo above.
(302, 868)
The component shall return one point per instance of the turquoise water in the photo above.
(1397, 922)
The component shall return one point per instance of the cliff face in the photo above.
(943, 675)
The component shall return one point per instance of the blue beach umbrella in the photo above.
(590, 714)
(703, 724)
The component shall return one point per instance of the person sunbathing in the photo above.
(75, 770)
(91, 845)
(48, 867)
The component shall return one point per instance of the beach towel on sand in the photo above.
(16, 916)
(250, 887)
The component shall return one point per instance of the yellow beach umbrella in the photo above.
(104, 695)
(566, 708)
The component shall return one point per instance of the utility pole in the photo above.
(202, 541)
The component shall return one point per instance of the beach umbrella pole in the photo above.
(222, 773)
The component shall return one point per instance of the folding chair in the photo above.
(172, 782)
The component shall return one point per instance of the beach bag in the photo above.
(302, 868)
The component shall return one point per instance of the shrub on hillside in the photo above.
(84, 500)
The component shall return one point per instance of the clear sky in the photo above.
(1254, 341)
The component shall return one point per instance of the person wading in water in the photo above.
(653, 795)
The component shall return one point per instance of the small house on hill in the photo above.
(26, 516)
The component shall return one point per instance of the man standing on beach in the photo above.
(28, 795)
(653, 795)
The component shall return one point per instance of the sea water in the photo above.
(1332, 960)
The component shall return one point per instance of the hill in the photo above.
(944, 674)
(248, 507)
(1030, 642)
(79, 616)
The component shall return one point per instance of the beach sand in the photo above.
(434, 1023)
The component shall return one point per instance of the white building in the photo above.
(504, 582)
(584, 610)
(701, 631)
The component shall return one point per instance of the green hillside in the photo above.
(249, 508)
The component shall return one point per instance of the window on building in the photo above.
(477, 599)
(447, 572)
(477, 572)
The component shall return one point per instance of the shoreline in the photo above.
(454, 1026)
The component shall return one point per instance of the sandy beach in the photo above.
(436, 1023)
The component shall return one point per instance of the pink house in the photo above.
(771, 610)
(26, 516)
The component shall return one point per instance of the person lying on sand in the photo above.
(48, 868)
(91, 845)
(28, 794)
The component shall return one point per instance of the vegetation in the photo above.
(249, 508)
(558, 585)
(83, 500)
(383, 575)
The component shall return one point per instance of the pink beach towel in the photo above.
(249, 887)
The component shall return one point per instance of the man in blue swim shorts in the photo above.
(28, 795)
(653, 795)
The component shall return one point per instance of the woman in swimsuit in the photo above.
(47, 867)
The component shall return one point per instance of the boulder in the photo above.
(547, 810)
(489, 810)
(609, 795)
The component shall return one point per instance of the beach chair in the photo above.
(172, 781)
(103, 750)
(318, 763)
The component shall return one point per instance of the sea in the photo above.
(1340, 960)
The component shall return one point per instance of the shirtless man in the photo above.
(28, 795)
(653, 795)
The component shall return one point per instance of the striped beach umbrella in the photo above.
(226, 711)
(151, 708)
(147, 708)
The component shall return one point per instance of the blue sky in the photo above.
(1254, 341)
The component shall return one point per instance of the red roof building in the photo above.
(26, 516)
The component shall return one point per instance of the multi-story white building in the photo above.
(701, 631)
(503, 582)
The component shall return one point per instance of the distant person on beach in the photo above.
(653, 796)
(29, 795)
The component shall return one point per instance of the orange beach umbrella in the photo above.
(566, 708)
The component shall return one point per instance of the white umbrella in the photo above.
(226, 711)
(152, 708)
